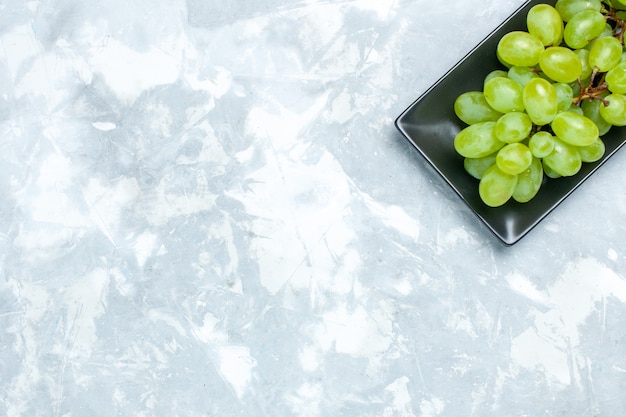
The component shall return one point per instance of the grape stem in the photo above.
(611, 14)
(597, 86)
(594, 91)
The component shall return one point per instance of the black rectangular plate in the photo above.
(430, 124)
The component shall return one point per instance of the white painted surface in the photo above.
(207, 211)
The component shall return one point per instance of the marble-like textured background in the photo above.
(207, 211)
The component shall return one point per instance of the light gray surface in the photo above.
(207, 211)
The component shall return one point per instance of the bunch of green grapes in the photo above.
(562, 87)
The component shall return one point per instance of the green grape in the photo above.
(502, 61)
(565, 159)
(545, 23)
(605, 53)
(582, 28)
(560, 64)
(593, 152)
(520, 48)
(521, 75)
(496, 187)
(494, 74)
(568, 8)
(541, 144)
(476, 167)
(615, 112)
(550, 173)
(583, 57)
(616, 78)
(529, 182)
(591, 109)
(504, 95)
(574, 129)
(607, 32)
(513, 127)
(576, 110)
(477, 140)
(471, 107)
(564, 96)
(514, 158)
(540, 101)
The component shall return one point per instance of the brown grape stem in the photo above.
(611, 14)
(594, 90)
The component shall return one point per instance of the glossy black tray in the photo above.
(430, 124)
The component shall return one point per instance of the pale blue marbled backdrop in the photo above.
(207, 211)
